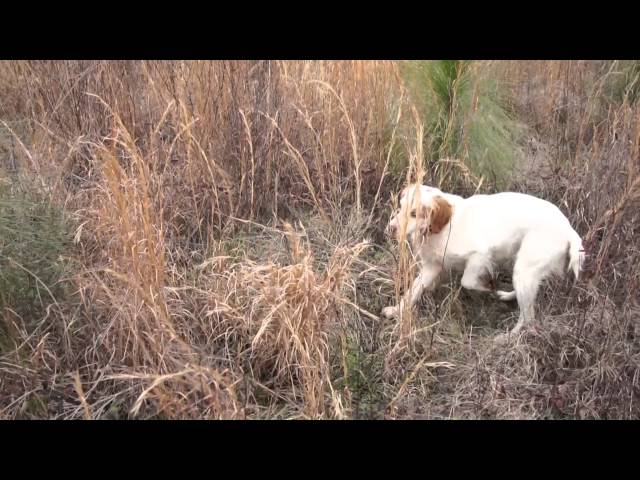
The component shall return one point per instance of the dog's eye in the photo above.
(413, 213)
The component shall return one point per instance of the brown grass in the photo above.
(229, 259)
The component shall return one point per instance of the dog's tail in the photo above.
(576, 254)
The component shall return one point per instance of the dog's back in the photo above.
(515, 210)
(496, 225)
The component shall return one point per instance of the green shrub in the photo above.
(34, 236)
(465, 118)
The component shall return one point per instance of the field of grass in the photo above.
(186, 240)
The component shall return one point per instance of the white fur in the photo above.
(485, 232)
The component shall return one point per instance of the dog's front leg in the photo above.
(426, 280)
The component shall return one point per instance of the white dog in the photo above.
(476, 235)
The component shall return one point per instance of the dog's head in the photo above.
(423, 210)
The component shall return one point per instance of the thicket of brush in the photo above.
(204, 239)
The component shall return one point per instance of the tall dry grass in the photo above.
(160, 161)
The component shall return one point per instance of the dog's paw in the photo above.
(389, 312)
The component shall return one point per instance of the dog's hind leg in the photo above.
(537, 259)
(526, 282)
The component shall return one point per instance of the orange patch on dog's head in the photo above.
(435, 217)
(441, 214)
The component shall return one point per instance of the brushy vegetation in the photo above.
(466, 117)
(204, 239)
(34, 240)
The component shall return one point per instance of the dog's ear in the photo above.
(423, 217)
(440, 214)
